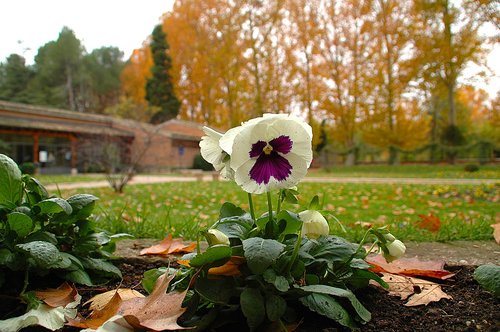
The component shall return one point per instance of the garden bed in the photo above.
(471, 309)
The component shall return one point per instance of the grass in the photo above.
(47, 179)
(410, 171)
(464, 212)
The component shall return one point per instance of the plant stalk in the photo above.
(250, 204)
(295, 252)
(270, 206)
(278, 209)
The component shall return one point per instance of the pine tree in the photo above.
(159, 88)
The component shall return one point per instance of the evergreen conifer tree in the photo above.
(159, 88)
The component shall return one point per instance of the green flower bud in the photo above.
(314, 224)
(214, 236)
(389, 237)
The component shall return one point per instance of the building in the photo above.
(61, 141)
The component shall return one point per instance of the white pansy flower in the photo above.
(313, 224)
(270, 152)
(212, 152)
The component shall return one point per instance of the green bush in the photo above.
(28, 168)
(48, 236)
(471, 168)
(200, 163)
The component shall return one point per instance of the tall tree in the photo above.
(14, 79)
(159, 88)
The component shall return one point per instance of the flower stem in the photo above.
(371, 248)
(282, 326)
(295, 252)
(250, 204)
(270, 206)
(360, 246)
(278, 209)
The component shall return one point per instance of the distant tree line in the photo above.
(65, 76)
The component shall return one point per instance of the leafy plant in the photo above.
(488, 276)
(42, 235)
(27, 168)
(471, 168)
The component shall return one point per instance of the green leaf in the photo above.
(54, 205)
(100, 266)
(291, 196)
(44, 254)
(363, 313)
(214, 256)
(78, 277)
(293, 223)
(234, 221)
(230, 210)
(261, 253)
(216, 290)
(253, 307)
(333, 249)
(82, 204)
(314, 205)
(41, 236)
(275, 307)
(10, 182)
(34, 186)
(327, 306)
(20, 223)
(150, 277)
(278, 281)
(361, 278)
(488, 276)
(6, 256)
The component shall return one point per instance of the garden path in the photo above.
(143, 179)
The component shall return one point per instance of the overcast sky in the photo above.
(25, 25)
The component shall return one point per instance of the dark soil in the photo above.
(471, 309)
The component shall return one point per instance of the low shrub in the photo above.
(200, 163)
(28, 168)
(471, 168)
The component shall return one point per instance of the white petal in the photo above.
(227, 140)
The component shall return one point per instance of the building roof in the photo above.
(23, 116)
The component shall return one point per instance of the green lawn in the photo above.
(465, 212)
(410, 171)
(67, 178)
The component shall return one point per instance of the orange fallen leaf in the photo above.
(417, 291)
(230, 268)
(58, 297)
(430, 222)
(169, 246)
(409, 267)
(496, 232)
(159, 311)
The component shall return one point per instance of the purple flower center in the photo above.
(270, 162)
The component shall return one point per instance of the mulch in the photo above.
(471, 309)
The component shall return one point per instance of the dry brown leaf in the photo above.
(99, 317)
(169, 246)
(99, 301)
(429, 222)
(159, 311)
(417, 291)
(409, 267)
(496, 232)
(58, 297)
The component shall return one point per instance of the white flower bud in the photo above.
(314, 224)
(396, 249)
(214, 236)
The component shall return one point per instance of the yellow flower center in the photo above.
(267, 149)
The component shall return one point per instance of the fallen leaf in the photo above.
(58, 297)
(363, 224)
(409, 267)
(417, 291)
(430, 222)
(99, 317)
(159, 311)
(99, 301)
(496, 232)
(230, 268)
(169, 246)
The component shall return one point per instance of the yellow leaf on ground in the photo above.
(99, 301)
(417, 291)
(58, 297)
(496, 232)
(99, 317)
(230, 268)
